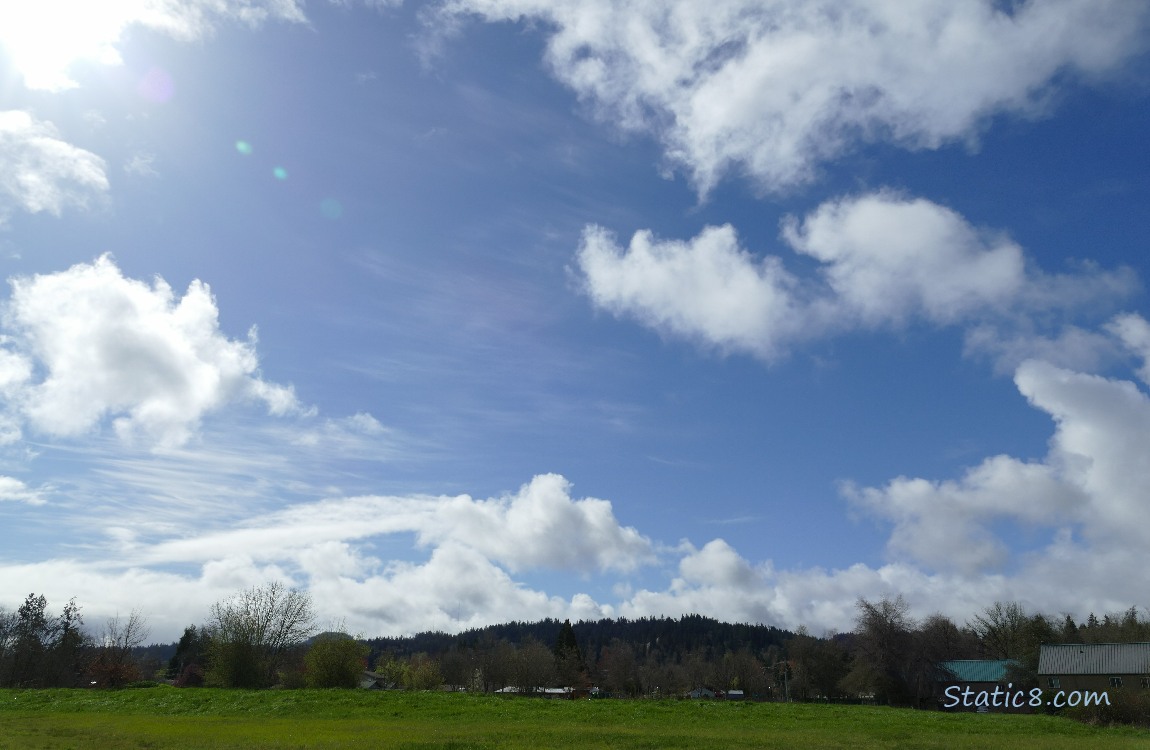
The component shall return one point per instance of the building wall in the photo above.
(1096, 682)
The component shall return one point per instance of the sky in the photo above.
(468, 311)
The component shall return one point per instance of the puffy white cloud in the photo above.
(103, 345)
(944, 525)
(773, 89)
(14, 490)
(1094, 479)
(953, 543)
(707, 289)
(1103, 426)
(541, 526)
(456, 589)
(885, 260)
(43, 39)
(1134, 332)
(41, 172)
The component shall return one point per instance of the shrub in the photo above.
(1126, 707)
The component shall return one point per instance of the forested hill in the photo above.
(668, 636)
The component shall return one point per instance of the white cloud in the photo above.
(945, 525)
(773, 89)
(1103, 426)
(1093, 480)
(885, 260)
(1072, 346)
(14, 490)
(44, 39)
(707, 289)
(1134, 332)
(328, 546)
(1083, 503)
(142, 165)
(541, 526)
(105, 346)
(40, 172)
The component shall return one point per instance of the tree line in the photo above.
(38, 649)
(267, 635)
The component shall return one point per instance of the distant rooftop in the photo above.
(1094, 658)
(977, 670)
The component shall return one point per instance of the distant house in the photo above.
(562, 693)
(701, 692)
(375, 681)
(735, 695)
(1094, 666)
(978, 676)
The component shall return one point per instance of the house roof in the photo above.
(1094, 658)
(977, 670)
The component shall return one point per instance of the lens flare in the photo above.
(244, 147)
(331, 208)
(280, 173)
(156, 86)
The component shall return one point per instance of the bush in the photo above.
(335, 660)
(1126, 707)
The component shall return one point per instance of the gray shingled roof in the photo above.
(1094, 658)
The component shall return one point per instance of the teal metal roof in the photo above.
(976, 670)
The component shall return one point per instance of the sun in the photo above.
(42, 39)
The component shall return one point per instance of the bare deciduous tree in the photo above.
(883, 650)
(113, 665)
(1002, 629)
(252, 631)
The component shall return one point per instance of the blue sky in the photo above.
(471, 311)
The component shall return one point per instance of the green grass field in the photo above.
(203, 718)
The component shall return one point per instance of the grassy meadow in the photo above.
(165, 717)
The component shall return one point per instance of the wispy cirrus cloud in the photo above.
(472, 547)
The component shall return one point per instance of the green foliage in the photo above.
(191, 651)
(236, 663)
(1127, 706)
(39, 650)
(422, 673)
(335, 660)
(392, 670)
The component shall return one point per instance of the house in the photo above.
(375, 681)
(562, 693)
(973, 684)
(1094, 666)
(701, 692)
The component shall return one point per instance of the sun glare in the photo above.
(42, 39)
